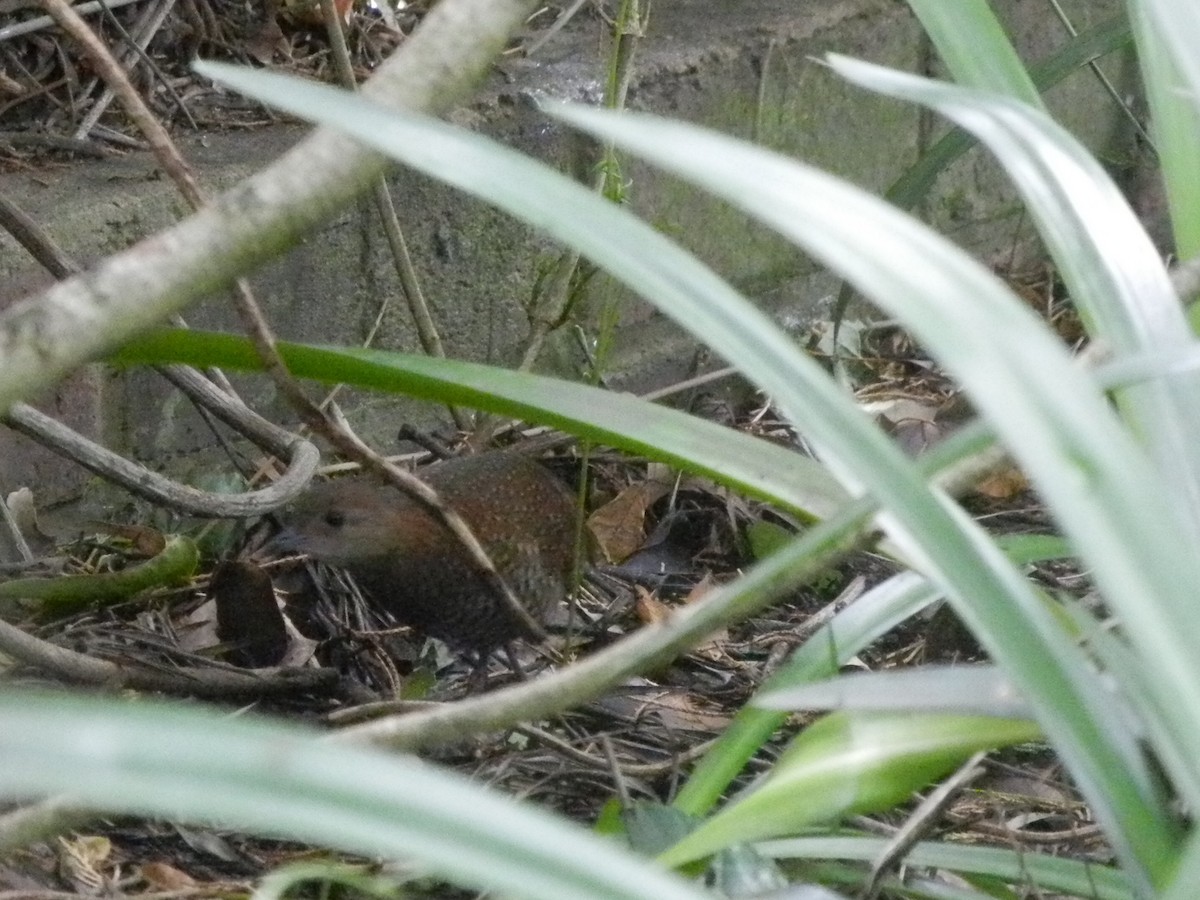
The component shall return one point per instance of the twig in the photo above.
(33, 238)
(214, 682)
(427, 332)
(14, 531)
(176, 167)
(224, 404)
(919, 822)
(145, 28)
(632, 770)
(1104, 80)
(303, 460)
(555, 303)
(551, 306)
(614, 769)
(563, 18)
(1035, 836)
(56, 142)
(89, 316)
(103, 132)
(365, 712)
(230, 410)
(31, 25)
(164, 149)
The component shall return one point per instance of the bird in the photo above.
(411, 565)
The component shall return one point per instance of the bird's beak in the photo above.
(286, 541)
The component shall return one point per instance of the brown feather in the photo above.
(414, 567)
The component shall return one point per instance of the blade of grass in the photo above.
(1049, 873)
(970, 690)
(975, 48)
(755, 467)
(914, 185)
(872, 615)
(847, 763)
(149, 758)
(1171, 77)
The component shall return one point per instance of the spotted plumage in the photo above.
(410, 564)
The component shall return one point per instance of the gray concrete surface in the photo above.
(746, 68)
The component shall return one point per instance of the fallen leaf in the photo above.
(1003, 485)
(164, 877)
(672, 709)
(650, 610)
(619, 526)
(248, 617)
(146, 542)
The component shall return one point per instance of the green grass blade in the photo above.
(1165, 33)
(153, 759)
(914, 185)
(1187, 875)
(874, 614)
(1051, 874)
(846, 764)
(975, 48)
(822, 655)
(968, 690)
(755, 467)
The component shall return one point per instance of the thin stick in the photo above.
(418, 308)
(215, 682)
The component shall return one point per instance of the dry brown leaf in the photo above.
(197, 633)
(164, 877)
(146, 542)
(650, 610)
(249, 620)
(620, 525)
(1003, 485)
(700, 589)
(669, 708)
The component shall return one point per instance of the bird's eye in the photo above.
(335, 518)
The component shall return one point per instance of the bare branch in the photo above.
(45, 337)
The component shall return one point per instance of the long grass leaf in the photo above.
(975, 48)
(153, 759)
(755, 467)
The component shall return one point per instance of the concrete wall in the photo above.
(746, 68)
